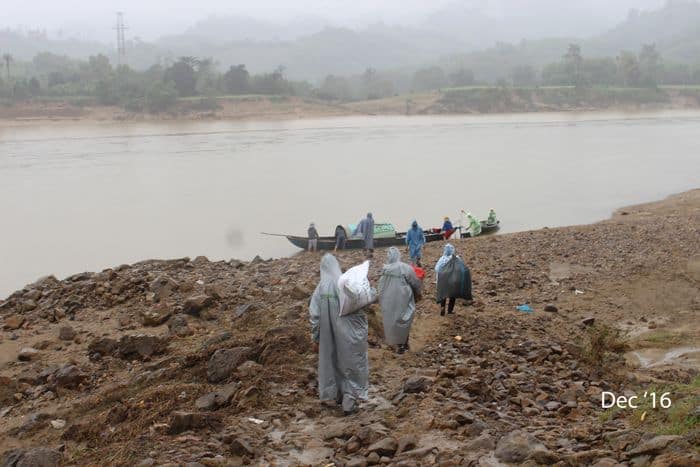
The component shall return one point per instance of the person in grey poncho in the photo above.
(343, 367)
(399, 287)
(366, 228)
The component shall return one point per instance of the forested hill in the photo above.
(675, 29)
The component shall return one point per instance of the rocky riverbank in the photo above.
(193, 362)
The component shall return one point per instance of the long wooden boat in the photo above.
(328, 243)
(486, 229)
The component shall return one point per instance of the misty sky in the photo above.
(150, 19)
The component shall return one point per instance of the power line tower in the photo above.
(121, 42)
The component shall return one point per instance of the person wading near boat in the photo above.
(340, 237)
(313, 237)
(366, 228)
(453, 280)
(473, 224)
(341, 342)
(415, 239)
(399, 289)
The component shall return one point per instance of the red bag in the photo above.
(420, 272)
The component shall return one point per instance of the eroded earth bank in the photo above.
(193, 362)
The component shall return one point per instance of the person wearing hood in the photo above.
(341, 342)
(464, 287)
(473, 225)
(313, 237)
(366, 228)
(415, 239)
(447, 228)
(399, 288)
(340, 238)
(492, 217)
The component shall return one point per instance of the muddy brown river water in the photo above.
(86, 196)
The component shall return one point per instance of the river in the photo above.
(82, 196)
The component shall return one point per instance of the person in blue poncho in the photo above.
(447, 228)
(415, 239)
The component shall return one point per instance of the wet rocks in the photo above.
(162, 286)
(384, 447)
(216, 399)
(103, 346)
(406, 443)
(589, 321)
(654, 445)
(298, 292)
(225, 361)
(179, 327)
(549, 308)
(417, 383)
(13, 322)
(184, 421)
(28, 353)
(66, 333)
(156, 315)
(68, 376)
(35, 457)
(140, 346)
(518, 446)
(195, 304)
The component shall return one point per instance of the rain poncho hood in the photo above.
(398, 286)
(415, 239)
(343, 369)
(447, 253)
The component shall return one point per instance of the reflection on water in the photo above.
(85, 196)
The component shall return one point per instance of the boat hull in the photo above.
(328, 243)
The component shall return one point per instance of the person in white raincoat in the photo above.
(343, 367)
(398, 288)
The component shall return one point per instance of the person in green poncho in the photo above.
(473, 224)
(492, 217)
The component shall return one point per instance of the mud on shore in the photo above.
(193, 362)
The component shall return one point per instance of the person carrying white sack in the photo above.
(399, 287)
(343, 366)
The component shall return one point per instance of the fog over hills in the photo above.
(314, 38)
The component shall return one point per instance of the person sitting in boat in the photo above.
(366, 228)
(473, 224)
(415, 239)
(340, 237)
(447, 228)
(491, 220)
(313, 237)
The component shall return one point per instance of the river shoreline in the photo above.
(489, 101)
(125, 358)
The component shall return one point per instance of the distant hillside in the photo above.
(675, 30)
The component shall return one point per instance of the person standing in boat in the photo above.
(313, 237)
(447, 228)
(340, 237)
(415, 239)
(341, 342)
(366, 228)
(399, 288)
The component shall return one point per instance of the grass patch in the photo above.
(679, 419)
(664, 338)
(602, 345)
